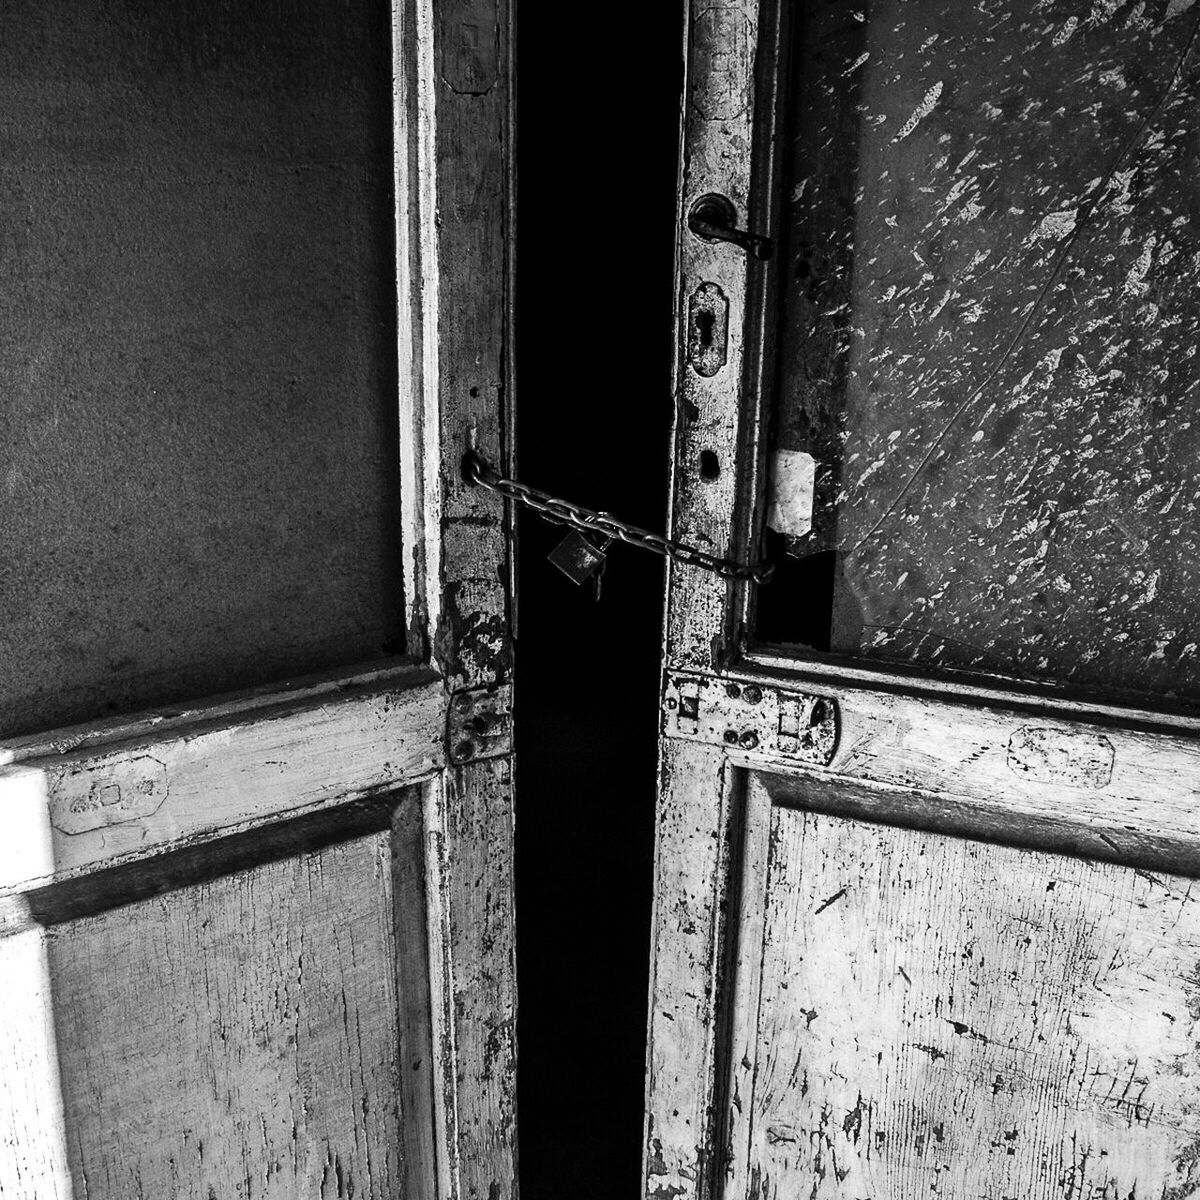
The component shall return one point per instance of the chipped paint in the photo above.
(1069, 759)
(988, 331)
(943, 1018)
(922, 110)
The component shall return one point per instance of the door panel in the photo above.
(985, 331)
(261, 943)
(935, 1014)
(265, 999)
(918, 931)
(221, 853)
(199, 371)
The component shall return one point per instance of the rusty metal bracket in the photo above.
(751, 718)
(479, 724)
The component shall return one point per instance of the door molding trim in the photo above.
(74, 806)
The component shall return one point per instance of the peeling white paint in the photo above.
(1064, 34)
(1177, 8)
(922, 110)
(1056, 225)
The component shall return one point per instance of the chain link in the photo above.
(563, 512)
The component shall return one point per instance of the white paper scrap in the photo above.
(790, 492)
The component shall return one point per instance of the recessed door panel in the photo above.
(936, 1015)
(198, 379)
(240, 1028)
(987, 328)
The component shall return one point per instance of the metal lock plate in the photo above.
(750, 718)
(479, 725)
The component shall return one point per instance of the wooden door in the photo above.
(255, 673)
(925, 920)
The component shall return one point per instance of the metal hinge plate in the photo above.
(751, 718)
(479, 724)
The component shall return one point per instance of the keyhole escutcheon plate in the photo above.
(708, 329)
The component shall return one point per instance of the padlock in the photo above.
(577, 558)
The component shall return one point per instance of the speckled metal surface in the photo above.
(197, 370)
(989, 330)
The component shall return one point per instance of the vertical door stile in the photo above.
(414, 150)
(719, 133)
(471, 641)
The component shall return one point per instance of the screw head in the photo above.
(732, 691)
(731, 737)
(749, 739)
(752, 693)
(464, 750)
(463, 704)
(672, 704)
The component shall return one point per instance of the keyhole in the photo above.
(708, 316)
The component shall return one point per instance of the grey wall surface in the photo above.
(198, 481)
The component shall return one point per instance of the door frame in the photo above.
(993, 758)
(427, 733)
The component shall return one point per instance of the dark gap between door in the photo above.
(597, 126)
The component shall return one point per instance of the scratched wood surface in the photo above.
(479, 918)
(204, 779)
(690, 875)
(33, 1147)
(989, 328)
(935, 1016)
(236, 1036)
(719, 113)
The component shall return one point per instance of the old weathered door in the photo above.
(256, 927)
(929, 822)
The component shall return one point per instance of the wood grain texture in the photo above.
(718, 134)
(421, 1038)
(1117, 794)
(196, 778)
(473, 157)
(414, 148)
(208, 777)
(470, 86)
(33, 1143)
(479, 995)
(239, 1035)
(1109, 787)
(990, 326)
(687, 949)
(1116, 780)
(398, 672)
(937, 1016)
(1111, 940)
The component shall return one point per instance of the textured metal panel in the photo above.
(197, 375)
(988, 339)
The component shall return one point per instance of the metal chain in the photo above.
(563, 512)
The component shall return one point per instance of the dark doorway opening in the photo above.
(597, 131)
